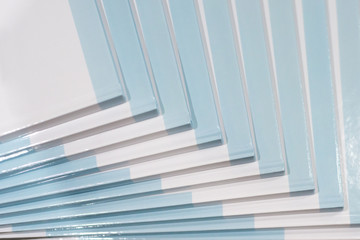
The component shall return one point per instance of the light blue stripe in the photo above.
(131, 217)
(349, 43)
(264, 234)
(96, 50)
(188, 39)
(69, 185)
(71, 168)
(188, 226)
(123, 189)
(260, 89)
(129, 53)
(322, 104)
(292, 107)
(32, 159)
(14, 145)
(163, 63)
(271, 234)
(102, 208)
(228, 79)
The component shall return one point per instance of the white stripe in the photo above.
(180, 162)
(23, 234)
(149, 148)
(118, 113)
(303, 220)
(118, 135)
(6, 229)
(261, 187)
(323, 233)
(274, 205)
(218, 174)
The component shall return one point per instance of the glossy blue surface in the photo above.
(192, 56)
(349, 44)
(59, 187)
(96, 209)
(271, 234)
(290, 87)
(259, 85)
(96, 50)
(163, 63)
(174, 226)
(32, 159)
(13, 145)
(190, 212)
(326, 144)
(130, 55)
(124, 189)
(228, 79)
(73, 168)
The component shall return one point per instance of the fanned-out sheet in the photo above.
(180, 119)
